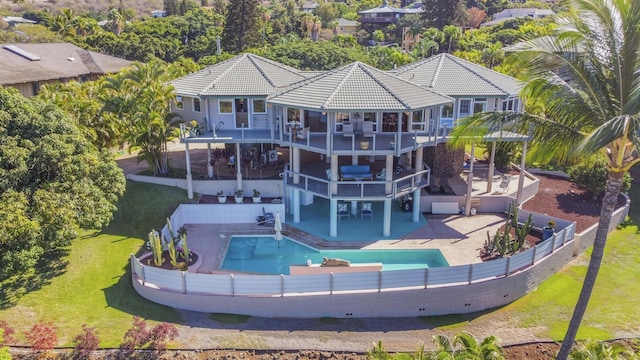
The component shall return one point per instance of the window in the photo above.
(447, 111)
(465, 108)
(418, 121)
(226, 106)
(196, 105)
(259, 106)
(371, 116)
(179, 104)
(479, 105)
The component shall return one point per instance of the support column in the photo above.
(238, 167)
(416, 206)
(333, 218)
(419, 165)
(334, 174)
(209, 166)
(521, 178)
(296, 206)
(492, 167)
(354, 208)
(296, 165)
(467, 202)
(189, 177)
(386, 221)
(389, 174)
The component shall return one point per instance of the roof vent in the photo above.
(19, 51)
(71, 58)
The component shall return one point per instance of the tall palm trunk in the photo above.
(614, 186)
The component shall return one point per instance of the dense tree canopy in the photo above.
(242, 29)
(52, 181)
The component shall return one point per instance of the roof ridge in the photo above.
(436, 73)
(341, 83)
(260, 69)
(384, 86)
(464, 63)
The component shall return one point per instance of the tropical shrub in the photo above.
(592, 175)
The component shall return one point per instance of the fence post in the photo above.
(331, 283)
(184, 282)
(380, 281)
(470, 273)
(281, 285)
(508, 266)
(553, 243)
(533, 257)
(233, 286)
(426, 277)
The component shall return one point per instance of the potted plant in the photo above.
(238, 196)
(194, 130)
(222, 198)
(548, 230)
(257, 199)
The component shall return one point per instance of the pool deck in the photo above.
(458, 237)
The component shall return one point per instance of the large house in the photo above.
(386, 14)
(351, 118)
(28, 66)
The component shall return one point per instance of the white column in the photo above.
(492, 166)
(389, 174)
(189, 177)
(419, 166)
(354, 208)
(333, 218)
(521, 178)
(238, 167)
(467, 203)
(209, 166)
(334, 173)
(416, 206)
(386, 221)
(296, 164)
(296, 206)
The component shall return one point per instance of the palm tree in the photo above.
(586, 83)
(452, 33)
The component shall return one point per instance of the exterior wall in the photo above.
(268, 188)
(187, 112)
(585, 239)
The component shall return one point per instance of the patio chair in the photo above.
(367, 129)
(343, 211)
(382, 175)
(366, 211)
(303, 133)
(268, 217)
(504, 184)
(328, 172)
(347, 129)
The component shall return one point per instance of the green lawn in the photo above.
(92, 284)
(95, 286)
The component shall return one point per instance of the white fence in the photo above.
(285, 285)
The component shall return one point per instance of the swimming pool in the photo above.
(263, 255)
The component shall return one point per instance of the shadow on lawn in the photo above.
(51, 265)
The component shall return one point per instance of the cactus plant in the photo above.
(156, 247)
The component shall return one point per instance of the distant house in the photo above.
(28, 66)
(158, 13)
(516, 13)
(309, 6)
(386, 14)
(346, 27)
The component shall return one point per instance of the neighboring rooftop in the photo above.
(245, 74)
(508, 14)
(343, 88)
(23, 63)
(13, 20)
(453, 76)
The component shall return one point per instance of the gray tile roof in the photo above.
(357, 86)
(453, 76)
(246, 74)
(53, 61)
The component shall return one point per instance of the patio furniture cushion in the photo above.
(352, 172)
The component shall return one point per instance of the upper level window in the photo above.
(479, 105)
(465, 108)
(259, 106)
(196, 105)
(226, 106)
(179, 103)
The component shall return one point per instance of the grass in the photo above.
(95, 286)
(92, 284)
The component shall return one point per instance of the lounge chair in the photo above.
(366, 211)
(382, 175)
(268, 217)
(343, 211)
(504, 185)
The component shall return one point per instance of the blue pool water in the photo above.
(264, 255)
